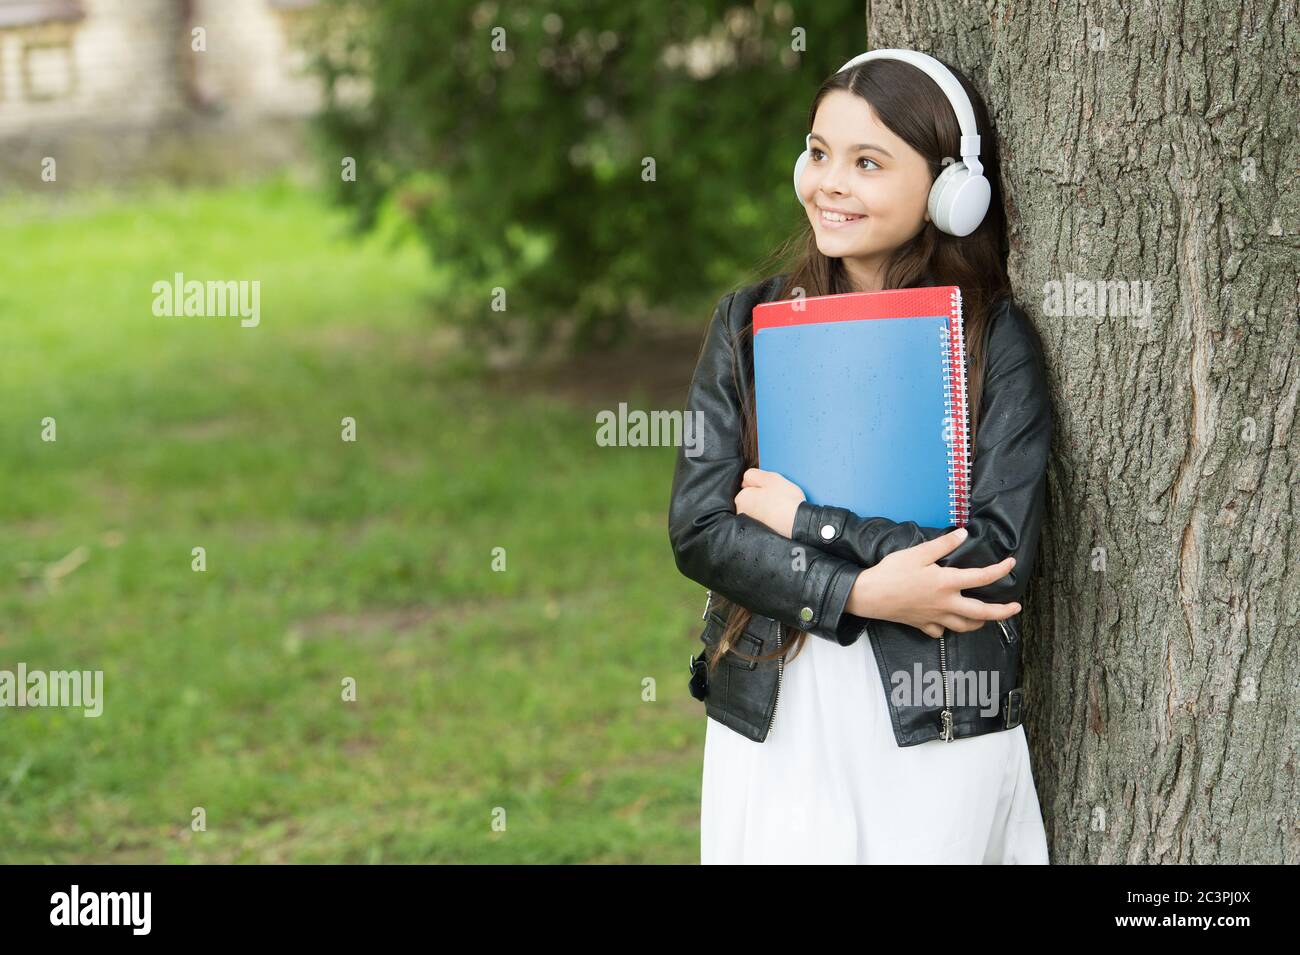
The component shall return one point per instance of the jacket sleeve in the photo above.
(733, 554)
(1008, 479)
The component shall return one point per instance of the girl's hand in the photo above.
(770, 499)
(908, 587)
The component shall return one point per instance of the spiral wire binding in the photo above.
(954, 349)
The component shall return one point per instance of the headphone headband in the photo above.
(951, 88)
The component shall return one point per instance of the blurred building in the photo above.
(116, 88)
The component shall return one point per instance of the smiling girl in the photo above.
(839, 779)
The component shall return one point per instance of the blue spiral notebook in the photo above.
(861, 401)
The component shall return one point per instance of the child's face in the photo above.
(885, 187)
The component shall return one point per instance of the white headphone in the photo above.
(960, 196)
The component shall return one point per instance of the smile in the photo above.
(837, 220)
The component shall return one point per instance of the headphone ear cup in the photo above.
(958, 200)
(798, 172)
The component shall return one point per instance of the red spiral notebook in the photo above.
(861, 401)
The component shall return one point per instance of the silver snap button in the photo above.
(806, 614)
(828, 531)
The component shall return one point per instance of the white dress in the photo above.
(831, 785)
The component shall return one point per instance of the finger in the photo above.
(959, 624)
(753, 477)
(933, 629)
(981, 610)
(931, 551)
(968, 577)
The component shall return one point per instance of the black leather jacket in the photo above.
(740, 558)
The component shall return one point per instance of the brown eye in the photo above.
(870, 160)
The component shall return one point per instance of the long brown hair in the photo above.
(916, 110)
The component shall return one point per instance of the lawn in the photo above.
(499, 714)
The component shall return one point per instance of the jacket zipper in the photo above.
(946, 732)
(780, 666)
(1006, 634)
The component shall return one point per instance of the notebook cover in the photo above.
(861, 401)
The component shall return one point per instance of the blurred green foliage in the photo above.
(521, 689)
(523, 166)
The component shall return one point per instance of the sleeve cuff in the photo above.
(804, 516)
(818, 526)
(832, 623)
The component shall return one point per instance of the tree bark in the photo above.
(1154, 145)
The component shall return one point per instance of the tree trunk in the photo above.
(1156, 145)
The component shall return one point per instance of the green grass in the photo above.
(478, 692)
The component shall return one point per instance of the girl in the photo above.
(843, 778)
